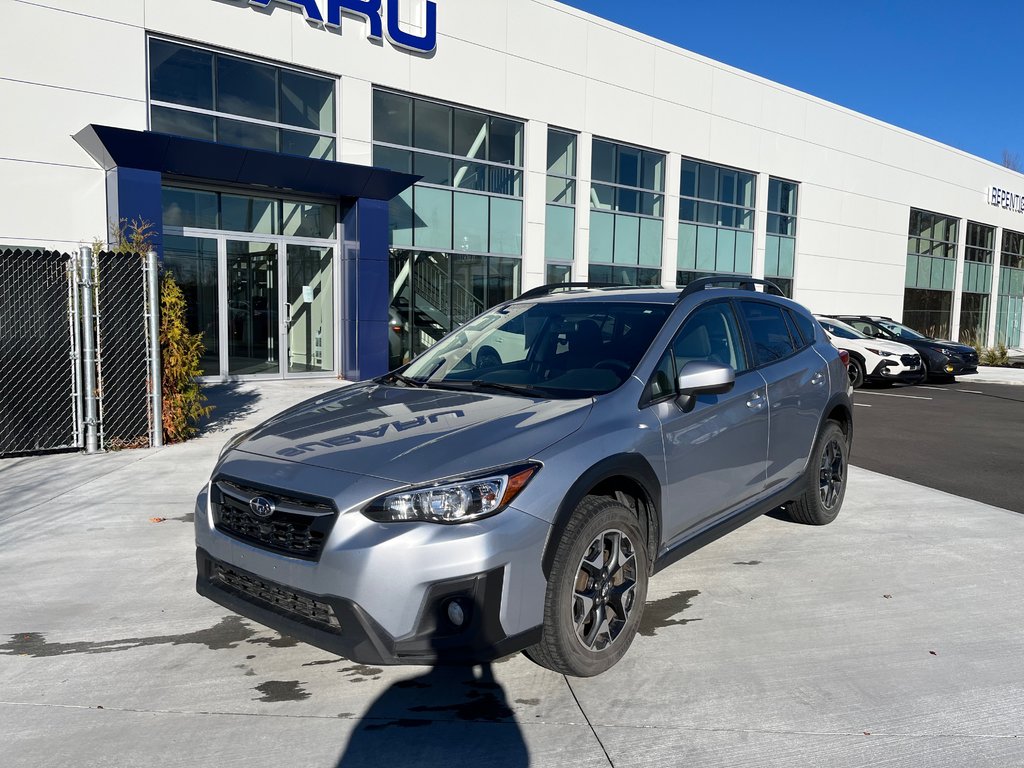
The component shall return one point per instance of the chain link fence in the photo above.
(39, 378)
(122, 350)
(51, 311)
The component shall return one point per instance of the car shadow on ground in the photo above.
(431, 720)
(231, 403)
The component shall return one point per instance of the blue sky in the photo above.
(952, 70)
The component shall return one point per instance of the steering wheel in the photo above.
(487, 357)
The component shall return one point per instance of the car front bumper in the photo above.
(379, 593)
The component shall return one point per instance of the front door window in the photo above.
(309, 308)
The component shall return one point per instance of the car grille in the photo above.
(911, 361)
(298, 527)
(277, 596)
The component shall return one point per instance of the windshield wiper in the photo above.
(519, 389)
(407, 381)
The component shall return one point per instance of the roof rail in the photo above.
(742, 282)
(546, 290)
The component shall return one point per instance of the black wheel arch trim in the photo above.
(632, 466)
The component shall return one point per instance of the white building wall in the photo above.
(68, 63)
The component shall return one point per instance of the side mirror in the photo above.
(701, 378)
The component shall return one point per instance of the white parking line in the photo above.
(971, 391)
(889, 394)
(936, 389)
(862, 405)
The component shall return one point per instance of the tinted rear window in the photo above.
(769, 333)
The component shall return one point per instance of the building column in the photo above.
(581, 255)
(135, 195)
(958, 280)
(535, 203)
(993, 296)
(670, 242)
(761, 229)
(365, 283)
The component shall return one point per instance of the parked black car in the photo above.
(941, 360)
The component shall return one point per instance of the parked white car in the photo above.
(873, 359)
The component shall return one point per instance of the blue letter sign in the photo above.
(372, 11)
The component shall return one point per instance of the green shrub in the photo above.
(998, 355)
(180, 351)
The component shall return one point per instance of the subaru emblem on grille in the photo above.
(262, 507)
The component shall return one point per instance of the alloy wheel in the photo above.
(831, 474)
(604, 593)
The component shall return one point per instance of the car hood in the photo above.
(896, 347)
(412, 435)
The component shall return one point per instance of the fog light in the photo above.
(456, 615)
(949, 368)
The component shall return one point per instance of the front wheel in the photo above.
(855, 370)
(596, 591)
(824, 485)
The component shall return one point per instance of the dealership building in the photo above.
(337, 183)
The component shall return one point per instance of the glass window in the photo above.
(396, 159)
(242, 92)
(603, 161)
(249, 214)
(470, 134)
(558, 273)
(432, 128)
(506, 226)
(189, 208)
(193, 263)
(769, 333)
(471, 222)
(433, 218)
(506, 142)
(470, 175)
(180, 75)
(433, 169)
(181, 123)
(246, 88)
(306, 101)
(392, 118)
(309, 219)
(307, 145)
(559, 233)
(561, 154)
(245, 134)
(561, 191)
(710, 335)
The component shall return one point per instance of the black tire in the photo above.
(581, 640)
(825, 481)
(855, 370)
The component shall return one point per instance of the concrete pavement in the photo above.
(891, 637)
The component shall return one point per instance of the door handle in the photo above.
(756, 401)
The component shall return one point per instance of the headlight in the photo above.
(459, 500)
(948, 352)
(235, 441)
(879, 352)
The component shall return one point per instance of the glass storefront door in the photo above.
(309, 309)
(264, 307)
(252, 305)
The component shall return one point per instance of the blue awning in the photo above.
(198, 159)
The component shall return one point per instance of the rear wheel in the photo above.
(825, 480)
(596, 591)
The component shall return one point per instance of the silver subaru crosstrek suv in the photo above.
(517, 485)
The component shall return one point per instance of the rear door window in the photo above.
(770, 336)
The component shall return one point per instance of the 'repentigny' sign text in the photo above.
(1001, 198)
(371, 10)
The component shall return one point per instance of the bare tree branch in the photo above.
(1012, 161)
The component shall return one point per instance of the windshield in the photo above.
(900, 330)
(841, 330)
(551, 349)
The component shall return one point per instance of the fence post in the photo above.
(89, 351)
(155, 369)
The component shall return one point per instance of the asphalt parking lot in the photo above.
(891, 637)
(965, 437)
